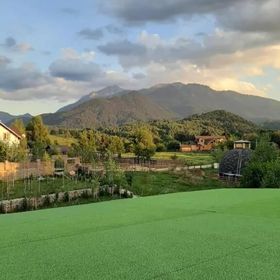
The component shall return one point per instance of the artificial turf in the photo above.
(215, 234)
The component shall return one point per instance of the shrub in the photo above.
(271, 178)
(66, 197)
(174, 157)
(2, 208)
(25, 205)
(253, 175)
(47, 201)
(85, 194)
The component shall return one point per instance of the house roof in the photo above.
(10, 130)
(242, 141)
(210, 137)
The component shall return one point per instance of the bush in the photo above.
(271, 178)
(85, 194)
(253, 175)
(46, 201)
(66, 197)
(2, 209)
(173, 146)
(25, 205)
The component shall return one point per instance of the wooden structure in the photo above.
(203, 143)
(242, 144)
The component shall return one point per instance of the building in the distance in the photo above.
(242, 144)
(8, 135)
(203, 143)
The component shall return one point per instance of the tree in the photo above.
(38, 136)
(3, 151)
(21, 149)
(86, 147)
(263, 167)
(116, 145)
(144, 146)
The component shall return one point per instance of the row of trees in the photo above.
(90, 144)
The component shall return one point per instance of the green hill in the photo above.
(217, 234)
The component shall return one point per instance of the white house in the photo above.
(8, 135)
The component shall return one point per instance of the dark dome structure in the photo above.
(234, 162)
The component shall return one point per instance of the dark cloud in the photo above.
(134, 11)
(238, 15)
(75, 70)
(46, 52)
(10, 42)
(252, 16)
(69, 11)
(91, 34)
(114, 29)
(138, 76)
(4, 60)
(22, 77)
(123, 47)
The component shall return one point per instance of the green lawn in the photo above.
(214, 234)
(154, 183)
(61, 140)
(197, 158)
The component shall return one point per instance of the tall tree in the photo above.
(38, 136)
(22, 150)
(144, 146)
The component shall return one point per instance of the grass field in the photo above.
(61, 140)
(216, 234)
(197, 158)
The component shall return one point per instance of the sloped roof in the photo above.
(209, 137)
(10, 130)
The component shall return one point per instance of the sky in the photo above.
(54, 52)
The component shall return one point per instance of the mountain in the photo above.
(103, 93)
(110, 111)
(185, 100)
(8, 118)
(165, 101)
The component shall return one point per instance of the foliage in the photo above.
(38, 137)
(144, 146)
(263, 169)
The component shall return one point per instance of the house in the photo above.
(203, 143)
(242, 144)
(207, 143)
(8, 135)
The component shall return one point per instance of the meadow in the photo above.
(193, 158)
(213, 234)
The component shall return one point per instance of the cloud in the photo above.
(135, 12)
(4, 60)
(123, 47)
(91, 34)
(70, 11)
(113, 29)
(75, 70)
(11, 44)
(25, 76)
